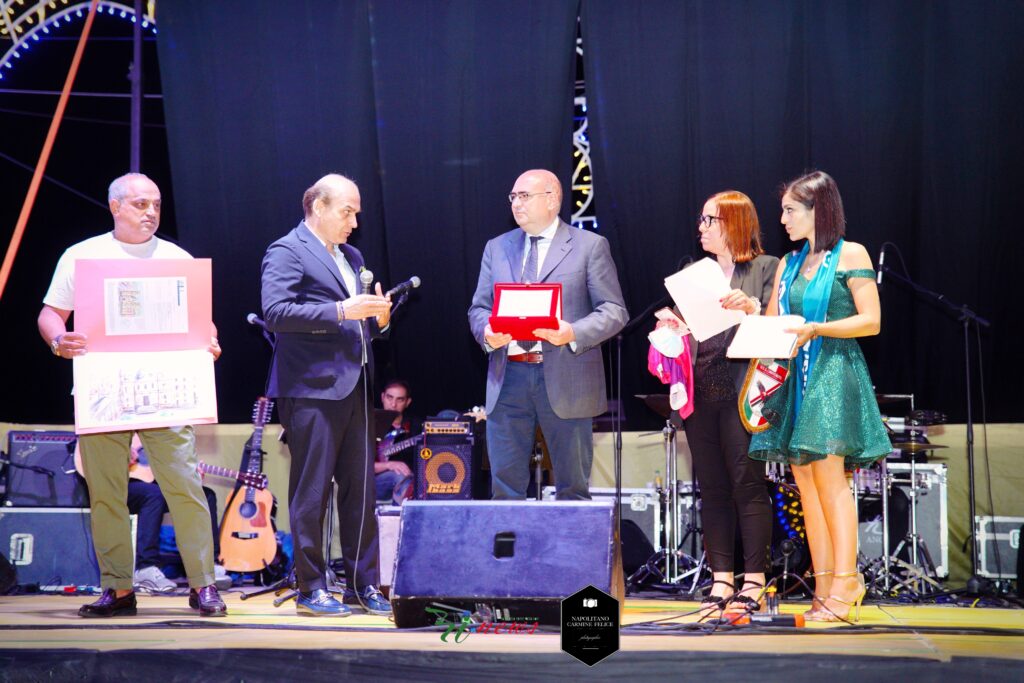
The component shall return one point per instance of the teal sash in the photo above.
(815, 307)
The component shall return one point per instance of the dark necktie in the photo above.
(530, 276)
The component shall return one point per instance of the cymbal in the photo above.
(916, 446)
(892, 398)
(658, 403)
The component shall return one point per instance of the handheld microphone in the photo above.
(411, 283)
(881, 266)
(365, 280)
(254, 319)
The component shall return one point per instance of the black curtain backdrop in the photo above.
(908, 105)
(469, 95)
(434, 107)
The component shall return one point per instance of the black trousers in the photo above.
(732, 487)
(328, 439)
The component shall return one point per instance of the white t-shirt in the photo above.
(62, 288)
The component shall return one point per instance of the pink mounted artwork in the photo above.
(149, 323)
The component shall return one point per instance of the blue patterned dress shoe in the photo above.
(319, 603)
(109, 605)
(370, 599)
(208, 601)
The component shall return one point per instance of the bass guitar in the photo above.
(388, 446)
(248, 542)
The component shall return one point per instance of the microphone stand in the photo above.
(627, 329)
(976, 585)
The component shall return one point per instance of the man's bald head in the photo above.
(330, 186)
(331, 206)
(538, 200)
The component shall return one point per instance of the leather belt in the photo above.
(532, 357)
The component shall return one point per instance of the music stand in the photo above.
(383, 420)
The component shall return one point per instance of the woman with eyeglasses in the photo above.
(826, 419)
(732, 486)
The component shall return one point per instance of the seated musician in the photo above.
(393, 475)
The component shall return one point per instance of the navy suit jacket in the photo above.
(591, 302)
(315, 356)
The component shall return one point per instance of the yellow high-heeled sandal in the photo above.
(817, 603)
(827, 614)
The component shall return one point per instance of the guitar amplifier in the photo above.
(444, 465)
(51, 546)
(998, 541)
(41, 472)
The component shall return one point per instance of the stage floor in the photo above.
(41, 636)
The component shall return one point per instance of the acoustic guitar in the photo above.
(247, 536)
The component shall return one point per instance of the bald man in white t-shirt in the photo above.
(134, 203)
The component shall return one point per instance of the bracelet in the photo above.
(341, 311)
(814, 331)
(757, 306)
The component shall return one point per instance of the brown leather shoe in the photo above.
(207, 600)
(109, 605)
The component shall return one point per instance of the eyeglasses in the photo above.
(523, 196)
(706, 220)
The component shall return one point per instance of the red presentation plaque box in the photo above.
(527, 308)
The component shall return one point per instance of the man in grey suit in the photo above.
(319, 374)
(559, 382)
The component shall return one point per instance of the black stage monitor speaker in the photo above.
(504, 560)
(42, 471)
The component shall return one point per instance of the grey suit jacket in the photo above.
(754, 278)
(315, 356)
(591, 302)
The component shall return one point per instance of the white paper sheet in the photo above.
(146, 305)
(762, 336)
(525, 303)
(697, 291)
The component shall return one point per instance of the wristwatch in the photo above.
(55, 344)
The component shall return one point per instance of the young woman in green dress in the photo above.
(825, 420)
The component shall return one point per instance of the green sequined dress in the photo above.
(839, 414)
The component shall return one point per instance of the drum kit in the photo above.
(906, 569)
(890, 574)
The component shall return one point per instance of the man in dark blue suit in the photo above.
(319, 374)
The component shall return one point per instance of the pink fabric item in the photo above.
(674, 371)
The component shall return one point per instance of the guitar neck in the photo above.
(251, 480)
(399, 446)
(219, 471)
(255, 453)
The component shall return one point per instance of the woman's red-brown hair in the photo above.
(740, 227)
